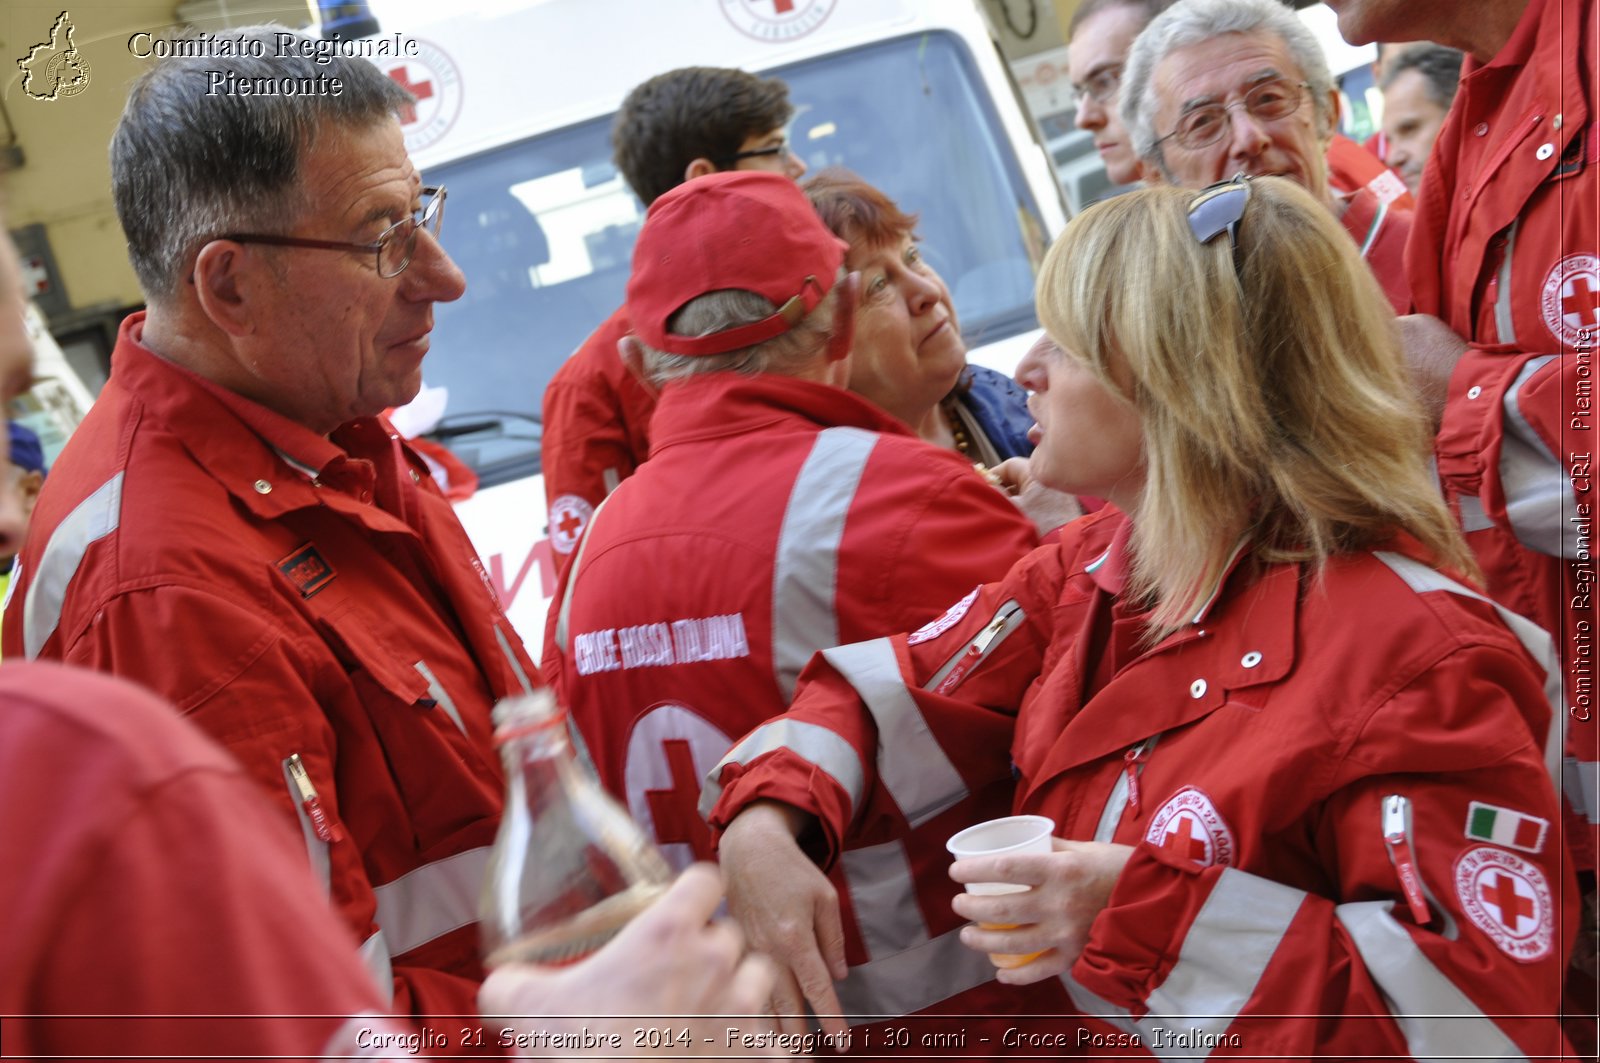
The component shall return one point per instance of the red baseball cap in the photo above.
(745, 229)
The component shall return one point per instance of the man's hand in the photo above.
(1431, 349)
(669, 962)
(789, 911)
(1070, 886)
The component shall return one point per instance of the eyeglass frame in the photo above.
(1304, 89)
(1103, 95)
(432, 218)
(756, 153)
(1207, 228)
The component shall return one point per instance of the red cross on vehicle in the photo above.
(1503, 895)
(1181, 840)
(676, 811)
(422, 90)
(1583, 303)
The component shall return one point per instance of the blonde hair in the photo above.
(1272, 397)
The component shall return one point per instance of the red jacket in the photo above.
(775, 517)
(145, 876)
(1248, 759)
(596, 432)
(1506, 249)
(1381, 230)
(295, 596)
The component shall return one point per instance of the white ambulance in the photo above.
(513, 116)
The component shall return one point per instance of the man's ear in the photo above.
(220, 283)
(843, 339)
(699, 168)
(631, 351)
(1335, 111)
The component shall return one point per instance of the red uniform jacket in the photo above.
(596, 431)
(311, 603)
(1248, 759)
(775, 517)
(1506, 249)
(145, 876)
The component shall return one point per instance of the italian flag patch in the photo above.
(1503, 826)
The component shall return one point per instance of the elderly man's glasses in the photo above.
(1100, 86)
(1267, 102)
(392, 249)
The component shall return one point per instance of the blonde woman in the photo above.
(1296, 763)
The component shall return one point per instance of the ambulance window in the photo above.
(544, 229)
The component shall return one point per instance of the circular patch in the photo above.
(435, 80)
(671, 749)
(1570, 300)
(1189, 827)
(934, 628)
(569, 515)
(777, 20)
(1507, 898)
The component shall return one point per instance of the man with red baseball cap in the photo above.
(778, 515)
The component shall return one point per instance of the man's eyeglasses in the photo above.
(1100, 86)
(392, 249)
(780, 150)
(1218, 209)
(1267, 102)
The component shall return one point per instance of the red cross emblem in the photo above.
(1513, 905)
(676, 811)
(569, 515)
(1508, 898)
(1581, 302)
(422, 90)
(1570, 299)
(1185, 838)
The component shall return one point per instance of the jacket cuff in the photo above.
(1468, 444)
(789, 779)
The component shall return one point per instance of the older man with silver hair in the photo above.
(1215, 88)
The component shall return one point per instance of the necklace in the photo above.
(958, 430)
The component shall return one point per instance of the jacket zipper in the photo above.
(1397, 839)
(1125, 794)
(325, 827)
(958, 667)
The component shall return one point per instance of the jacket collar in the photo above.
(718, 405)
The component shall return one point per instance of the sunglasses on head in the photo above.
(1218, 209)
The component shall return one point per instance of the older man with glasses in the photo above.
(1218, 87)
(235, 527)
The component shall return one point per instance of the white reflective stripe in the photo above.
(431, 901)
(1111, 815)
(511, 658)
(1224, 954)
(1540, 646)
(805, 572)
(611, 478)
(316, 848)
(911, 764)
(564, 614)
(94, 518)
(1580, 781)
(1473, 516)
(1504, 325)
(440, 695)
(813, 744)
(375, 954)
(1436, 1018)
(1097, 1008)
(909, 981)
(1536, 487)
(884, 898)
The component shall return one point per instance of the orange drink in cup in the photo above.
(1011, 834)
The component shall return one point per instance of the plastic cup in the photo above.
(1010, 834)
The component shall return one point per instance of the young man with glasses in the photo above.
(674, 127)
(1100, 34)
(1218, 87)
(235, 527)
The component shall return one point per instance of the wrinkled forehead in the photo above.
(1221, 68)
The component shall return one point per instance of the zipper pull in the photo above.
(1133, 761)
(327, 829)
(1397, 839)
(971, 657)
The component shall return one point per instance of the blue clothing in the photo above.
(1000, 406)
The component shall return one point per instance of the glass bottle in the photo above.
(569, 866)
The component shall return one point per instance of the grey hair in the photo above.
(1147, 9)
(1189, 22)
(1439, 66)
(190, 161)
(785, 355)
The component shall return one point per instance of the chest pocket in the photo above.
(436, 754)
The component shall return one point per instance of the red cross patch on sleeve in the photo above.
(1189, 827)
(1508, 899)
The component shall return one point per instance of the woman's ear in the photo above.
(843, 339)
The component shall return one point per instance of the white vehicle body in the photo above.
(514, 116)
